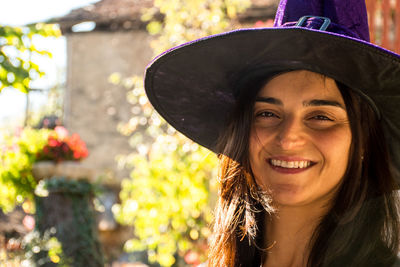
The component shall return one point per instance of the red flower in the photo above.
(61, 147)
(78, 146)
(65, 148)
(53, 142)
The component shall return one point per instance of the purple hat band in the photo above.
(347, 17)
(317, 22)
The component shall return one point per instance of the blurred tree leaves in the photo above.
(16, 49)
(168, 198)
(18, 153)
(187, 20)
(18, 150)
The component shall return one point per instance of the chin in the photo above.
(288, 200)
(288, 195)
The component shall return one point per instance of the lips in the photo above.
(290, 165)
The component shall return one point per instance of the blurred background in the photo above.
(90, 175)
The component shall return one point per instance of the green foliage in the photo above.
(20, 150)
(41, 249)
(16, 49)
(168, 196)
(167, 199)
(186, 20)
(74, 225)
(16, 159)
(63, 184)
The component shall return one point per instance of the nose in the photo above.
(290, 134)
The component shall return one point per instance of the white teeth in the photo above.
(290, 164)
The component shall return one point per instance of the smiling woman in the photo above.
(309, 183)
(305, 119)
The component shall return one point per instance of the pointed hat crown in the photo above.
(347, 17)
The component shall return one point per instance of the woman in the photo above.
(326, 201)
(304, 117)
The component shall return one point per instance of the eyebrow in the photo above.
(313, 103)
(269, 100)
(323, 102)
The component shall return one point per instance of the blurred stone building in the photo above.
(116, 43)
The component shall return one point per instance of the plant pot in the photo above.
(74, 170)
(67, 213)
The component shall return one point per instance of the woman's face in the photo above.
(300, 138)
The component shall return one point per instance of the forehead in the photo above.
(301, 84)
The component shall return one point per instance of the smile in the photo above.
(290, 164)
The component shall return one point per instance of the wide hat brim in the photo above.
(191, 85)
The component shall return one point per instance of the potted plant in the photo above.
(44, 166)
(61, 156)
(63, 199)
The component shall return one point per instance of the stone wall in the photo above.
(94, 106)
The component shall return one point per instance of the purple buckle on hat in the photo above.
(323, 27)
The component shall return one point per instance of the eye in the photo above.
(265, 118)
(321, 118)
(320, 121)
(266, 114)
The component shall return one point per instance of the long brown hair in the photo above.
(361, 228)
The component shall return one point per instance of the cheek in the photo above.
(254, 150)
(255, 144)
(259, 138)
(335, 147)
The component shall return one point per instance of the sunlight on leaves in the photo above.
(169, 196)
(16, 50)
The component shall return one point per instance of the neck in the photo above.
(288, 234)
